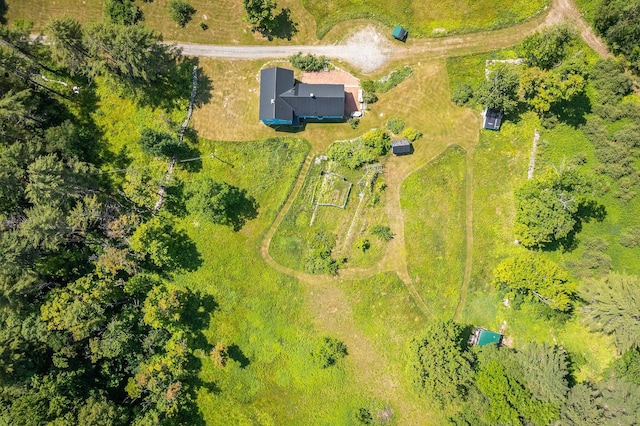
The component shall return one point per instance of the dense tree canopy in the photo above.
(500, 90)
(618, 21)
(538, 278)
(613, 306)
(550, 208)
(439, 364)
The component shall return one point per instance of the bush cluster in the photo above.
(123, 12)
(181, 12)
(308, 62)
(366, 149)
(370, 87)
(395, 125)
(318, 259)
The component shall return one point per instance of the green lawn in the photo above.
(433, 202)
(424, 19)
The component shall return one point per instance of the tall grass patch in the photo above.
(433, 200)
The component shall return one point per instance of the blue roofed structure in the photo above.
(283, 101)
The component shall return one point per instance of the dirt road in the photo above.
(369, 50)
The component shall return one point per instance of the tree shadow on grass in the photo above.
(3, 11)
(174, 84)
(184, 251)
(591, 210)
(573, 112)
(283, 25)
(245, 208)
(236, 354)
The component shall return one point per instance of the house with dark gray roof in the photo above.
(284, 101)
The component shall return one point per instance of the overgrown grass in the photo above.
(424, 20)
(290, 243)
(433, 201)
(274, 378)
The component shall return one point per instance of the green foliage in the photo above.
(370, 87)
(308, 62)
(318, 260)
(123, 12)
(613, 303)
(618, 21)
(542, 89)
(382, 232)
(546, 49)
(396, 77)
(220, 202)
(550, 208)
(329, 352)
(462, 94)
(438, 363)
(159, 144)
(545, 370)
(537, 277)
(630, 237)
(366, 149)
(260, 13)
(627, 367)
(181, 12)
(411, 134)
(500, 90)
(203, 26)
(611, 82)
(583, 406)
(395, 126)
(362, 244)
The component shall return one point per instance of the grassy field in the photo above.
(224, 19)
(424, 19)
(433, 203)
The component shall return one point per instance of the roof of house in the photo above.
(399, 32)
(486, 337)
(281, 98)
(492, 119)
(401, 146)
(318, 100)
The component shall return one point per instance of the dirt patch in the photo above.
(368, 49)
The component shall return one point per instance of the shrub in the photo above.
(411, 134)
(308, 62)
(159, 144)
(369, 97)
(630, 237)
(382, 232)
(181, 12)
(363, 244)
(203, 26)
(462, 94)
(123, 12)
(330, 351)
(354, 122)
(395, 126)
(366, 149)
(318, 260)
(396, 77)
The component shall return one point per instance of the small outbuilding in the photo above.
(482, 337)
(401, 147)
(491, 119)
(400, 33)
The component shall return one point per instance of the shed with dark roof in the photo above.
(401, 147)
(491, 119)
(399, 33)
(283, 101)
